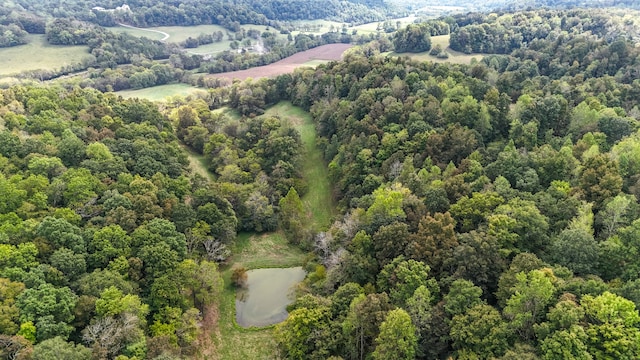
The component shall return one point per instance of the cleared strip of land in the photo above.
(330, 52)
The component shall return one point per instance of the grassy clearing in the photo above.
(176, 33)
(136, 32)
(198, 164)
(252, 251)
(318, 197)
(157, 93)
(232, 115)
(257, 251)
(180, 33)
(38, 54)
(455, 57)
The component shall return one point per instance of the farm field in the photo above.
(21, 58)
(160, 92)
(213, 48)
(455, 57)
(330, 52)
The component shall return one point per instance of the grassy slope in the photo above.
(160, 92)
(38, 54)
(318, 197)
(272, 250)
(198, 163)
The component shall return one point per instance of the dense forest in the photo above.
(107, 240)
(486, 211)
(196, 12)
(489, 210)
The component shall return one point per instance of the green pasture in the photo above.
(213, 48)
(176, 33)
(38, 54)
(160, 92)
(180, 33)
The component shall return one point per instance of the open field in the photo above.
(198, 164)
(455, 57)
(287, 65)
(212, 48)
(38, 54)
(160, 92)
(318, 197)
(176, 33)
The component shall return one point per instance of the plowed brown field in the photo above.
(287, 65)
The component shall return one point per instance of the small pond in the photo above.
(267, 295)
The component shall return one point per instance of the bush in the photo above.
(239, 277)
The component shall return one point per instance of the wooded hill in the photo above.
(489, 211)
(486, 210)
(146, 13)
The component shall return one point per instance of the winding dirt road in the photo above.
(166, 36)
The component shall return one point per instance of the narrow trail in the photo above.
(166, 36)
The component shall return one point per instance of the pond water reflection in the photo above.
(267, 295)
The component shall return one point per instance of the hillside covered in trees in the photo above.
(489, 211)
(146, 13)
(486, 211)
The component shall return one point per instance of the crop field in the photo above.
(160, 92)
(313, 56)
(23, 58)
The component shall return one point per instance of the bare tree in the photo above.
(11, 347)
(216, 250)
(109, 335)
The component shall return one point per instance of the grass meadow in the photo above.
(318, 197)
(180, 33)
(176, 33)
(38, 54)
(160, 92)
